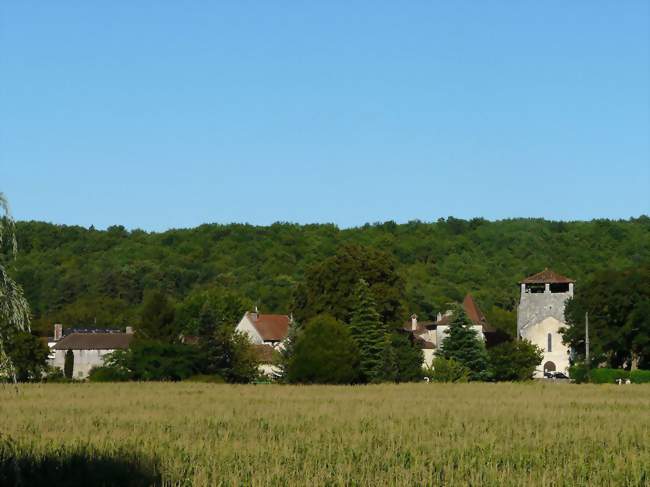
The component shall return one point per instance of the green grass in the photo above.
(414, 434)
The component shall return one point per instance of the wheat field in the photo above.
(411, 434)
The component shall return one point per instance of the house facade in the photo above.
(429, 335)
(89, 347)
(540, 316)
(267, 333)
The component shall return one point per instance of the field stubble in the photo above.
(411, 434)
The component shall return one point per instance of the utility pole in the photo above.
(587, 338)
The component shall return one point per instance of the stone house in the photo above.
(89, 347)
(267, 333)
(540, 316)
(429, 335)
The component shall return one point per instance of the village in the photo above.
(540, 319)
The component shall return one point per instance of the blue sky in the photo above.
(171, 114)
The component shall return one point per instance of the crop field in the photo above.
(413, 434)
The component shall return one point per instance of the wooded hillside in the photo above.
(83, 277)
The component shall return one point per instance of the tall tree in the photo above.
(325, 353)
(401, 359)
(329, 285)
(618, 302)
(515, 360)
(367, 330)
(68, 364)
(464, 345)
(157, 317)
(14, 309)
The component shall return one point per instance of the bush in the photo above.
(514, 360)
(107, 374)
(607, 376)
(579, 374)
(640, 376)
(447, 370)
(324, 353)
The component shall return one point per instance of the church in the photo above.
(540, 316)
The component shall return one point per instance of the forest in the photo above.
(84, 277)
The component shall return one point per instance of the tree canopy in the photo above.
(75, 275)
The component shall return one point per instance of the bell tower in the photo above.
(540, 316)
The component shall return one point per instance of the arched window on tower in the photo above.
(549, 343)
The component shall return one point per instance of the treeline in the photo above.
(86, 277)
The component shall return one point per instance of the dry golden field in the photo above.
(414, 434)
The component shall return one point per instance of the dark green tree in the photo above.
(329, 285)
(401, 359)
(368, 332)
(28, 354)
(157, 318)
(465, 346)
(288, 350)
(153, 360)
(325, 353)
(619, 324)
(514, 361)
(68, 364)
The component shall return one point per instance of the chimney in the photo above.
(58, 332)
(439, 316)
(414, 322)
(255, 314)
(129, 330)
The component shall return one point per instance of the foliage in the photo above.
(640, 376)
(503, 320)
(463, 344)
(401, 360)
(150, 360)
(107, 374)
(447, 370)
(516, 360)
(71, 274)
(14, 310)
(329, 286)
(603, 375)
(28, 354)
(579, 374)
(324, 353)
(200, 435)
(209, 307)
(618, 302)
(368, 331)
(288, 350)
(68, 364)
(157, 318)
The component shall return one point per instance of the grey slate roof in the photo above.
(94, 341)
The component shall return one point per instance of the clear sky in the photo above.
(171, 114)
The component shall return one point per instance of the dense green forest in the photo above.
(86, 277)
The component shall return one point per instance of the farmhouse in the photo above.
(541, 315)
(267, 333)
(89, 347)
(428, 335)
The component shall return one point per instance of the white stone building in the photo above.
(429, 335)
(267, 333)
(89, 348)
(541, 315)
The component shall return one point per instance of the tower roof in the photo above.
(547, 276)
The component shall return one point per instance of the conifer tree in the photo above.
(465, 346)
(368, 332)
(68, 364)
(288, 349)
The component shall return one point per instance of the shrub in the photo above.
(447, 370)
(514, 360)
(607, 376)
(324, 353)
(107, 374)
(640, 376)
(579, 374)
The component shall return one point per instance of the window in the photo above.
(549, 344)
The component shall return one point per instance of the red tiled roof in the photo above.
(94, 341)
(270, 327)
(547, 276)
(473, 312)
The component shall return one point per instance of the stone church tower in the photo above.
(541, 315)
